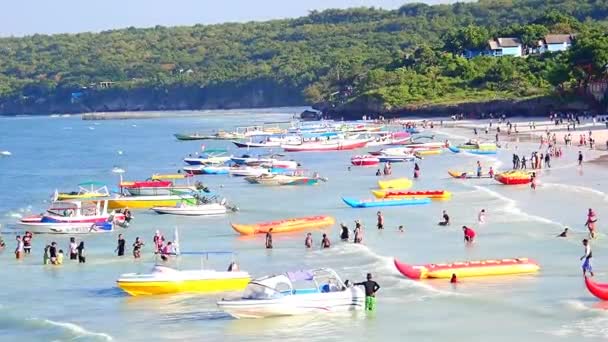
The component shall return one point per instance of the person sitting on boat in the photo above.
(344, 234)
(325, 243)
(233, 267)
(587, 257)
(469, 234)
(446, 219)
(308, 240)
(564, 233)
(371, 287)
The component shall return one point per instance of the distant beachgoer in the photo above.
(481, 217)
(167, 251)
(120, 248)
(358, 232)
(72, 249)
(269, 239)
(59, 257)
(46, 259)
(591, 221)
(453, 280)
(81, 257)
(564, 233)
(587, 258)
(325, 243)
(469, 234)
(380, 223)
(344, 234)
(378, 173)
(158, 239)
(446, 219)
(533, 181)
(27, 243)
(479, 169)
(491, 172)
(308, 240)
(53, 253)
(580, 158)
(416, 170)
(19, 249)
(401, 229)
(548, 160)
(137, 245)
(233, 267)
(371, 287)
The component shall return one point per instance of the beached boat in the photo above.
(397, 183)
(467, 174)
(468, 268)
(284, 226)
(390, 202)
(514, 177)
(316, 291)
(395, 193)
(326, 145)
(166, 280)
(597, 289)
(365, 160)
(74, 217)
(86, 190)
(394, 152)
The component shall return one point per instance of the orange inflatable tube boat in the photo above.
(284, 226)
(468, 268)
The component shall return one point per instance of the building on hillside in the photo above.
(505, 47)
(555, 43)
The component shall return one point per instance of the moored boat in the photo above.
(147, 202)
(365, 160)
(295, 293)
(387, 202)
(284, 226)
(326, 145)
(167, 280)
(468, 268)
(86, 190)
(199, 206)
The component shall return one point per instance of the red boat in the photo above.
(364, 160)
(597, 289)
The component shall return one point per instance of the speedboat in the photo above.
(74, 217)
(167, 280)
(158, 185)
(247, 171)
(199, 207)
(5, 153)
(295, 293)
(209, 157)
(326, 145)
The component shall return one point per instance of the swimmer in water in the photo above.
(380, 224)
(401, 229)
(325, 243)
(446, 219)
(268, 242)
(453, 280)
(564, 233)
(308, 240)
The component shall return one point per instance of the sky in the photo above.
(25, 17)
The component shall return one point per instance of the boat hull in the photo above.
(597, 289)
(155, 191)
(319, 147)
(146, 202)
(351, 299)
(178, 282)
(468, 269)
(68, 228)
(284, 226)
(207, 209)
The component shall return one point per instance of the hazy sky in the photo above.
(21, 17)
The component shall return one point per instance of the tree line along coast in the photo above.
(512, 57)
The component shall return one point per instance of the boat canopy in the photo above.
(92, 183)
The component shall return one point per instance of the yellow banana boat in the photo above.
(284, 226)
(397, 183)
(396, 193)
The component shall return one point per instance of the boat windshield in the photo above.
(260, 291)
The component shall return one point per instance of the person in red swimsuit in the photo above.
(469, 234)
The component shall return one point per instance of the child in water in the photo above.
(59, 257)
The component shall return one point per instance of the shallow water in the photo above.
(81, 302)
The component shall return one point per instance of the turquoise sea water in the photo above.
(81, 302)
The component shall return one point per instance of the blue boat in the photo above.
(384, 159)
(482, 151)
(215, 170)
(384, 202)
(454, 149)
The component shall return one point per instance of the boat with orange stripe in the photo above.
(284, 226)
(468, 268)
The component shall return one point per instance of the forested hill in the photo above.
(239, 65)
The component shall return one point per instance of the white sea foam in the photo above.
(75, 330)
(579, 189)
(512, 208)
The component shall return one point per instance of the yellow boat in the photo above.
(397, 183)
(170, 176)
(166, 280)
(86, 190)
(429, 152)
(399, 193)
(146, 202)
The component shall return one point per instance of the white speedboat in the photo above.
(247, 171)
(5, 153)
(74, 217)
(193, 210)
(295, 293)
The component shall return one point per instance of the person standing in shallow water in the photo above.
(137, 245)
(380, 224)
(72, 249)
(344, 235)
(308, 240)
(416, 170)
(269, 239)
(120, 248)
(358, 232)
(371, 287)
(325, 243)
(587, 258)
(81, 256)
